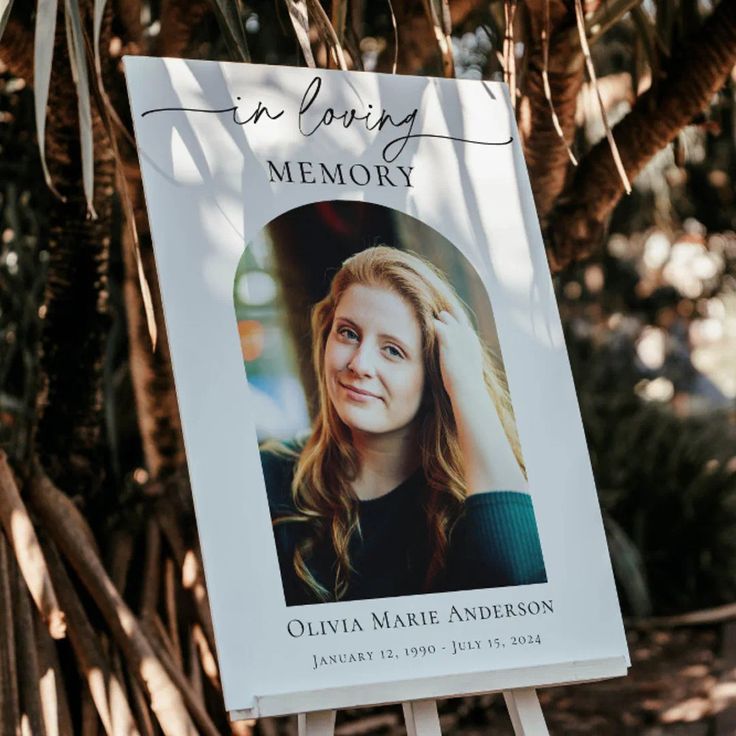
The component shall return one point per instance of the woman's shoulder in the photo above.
(278, 463)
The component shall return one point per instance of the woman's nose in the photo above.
(362, 361)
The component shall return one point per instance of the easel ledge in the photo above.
(517, 683)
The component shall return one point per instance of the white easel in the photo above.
(421, 716)
(316, 708)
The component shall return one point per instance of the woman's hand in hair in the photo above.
(488, 458)
(461, 356)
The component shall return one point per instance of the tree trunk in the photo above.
(694, 75)
(70, 437)
(545, 152)
(153, 381)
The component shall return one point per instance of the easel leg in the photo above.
(421, 718)
(317, 723)
(525, 711)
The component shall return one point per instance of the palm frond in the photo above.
(300, 21)
(80, 73)
(5, 7)
(438, 12)
(43, 53)
(594, 81)
(230, 21)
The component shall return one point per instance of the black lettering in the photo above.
(295, 628)
(380, 623)
(382, 172)
(310, 95)
(305, 167)
(335, 177)
(285, 171)
(365, 171)
(406, 171)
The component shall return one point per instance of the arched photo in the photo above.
(389, 449)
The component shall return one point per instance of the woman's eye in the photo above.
(393, 352)
(347, 333)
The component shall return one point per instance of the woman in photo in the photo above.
(411, 480)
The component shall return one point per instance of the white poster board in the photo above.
(226, 151)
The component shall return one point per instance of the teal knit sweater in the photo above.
(494, 542)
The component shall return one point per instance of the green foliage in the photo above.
(667, 483)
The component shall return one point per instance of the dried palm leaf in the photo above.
(580, 18)
(5, 7)
(509, 52)
(606, 16)
(339, 18)
(230, 20)
(80, 74)
(395, 27)
(327, 32)
(648, 39)
(438, 12)
(300, 21)
(43, 52)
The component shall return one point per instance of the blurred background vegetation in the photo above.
(646, 286)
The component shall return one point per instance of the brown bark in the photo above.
(151, 568)
(128, 13)
(70, 434)
(544, 150)
(53, 692)
(172, 616)
(66, 525)
(196, 707)
(16, 49)
(9, 705)
(153, 381)
(194, 671)
(22, 537)
(207, 659)
(190, 565)
(693, 76)
(140, 708)
(28, 671)
(93, 666)
(178, 19)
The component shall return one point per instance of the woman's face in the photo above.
(373, 361)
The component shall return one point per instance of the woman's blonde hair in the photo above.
(327, 463)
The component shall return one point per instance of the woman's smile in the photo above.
(373, 360)
(358, 394)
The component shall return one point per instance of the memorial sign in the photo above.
(390, 477)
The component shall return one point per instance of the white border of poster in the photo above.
(220, 147)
